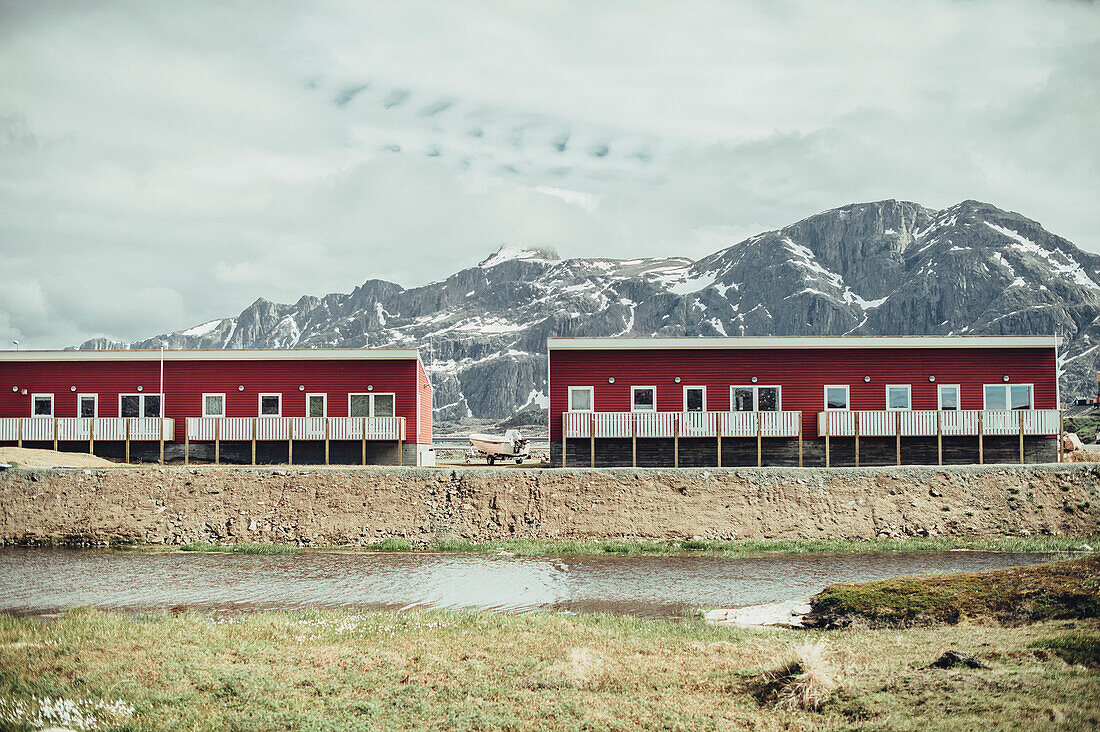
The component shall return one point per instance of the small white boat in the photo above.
(512, 446)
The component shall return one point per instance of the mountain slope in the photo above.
(889, 268)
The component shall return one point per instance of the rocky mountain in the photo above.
(889, 268)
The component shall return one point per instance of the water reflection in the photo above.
(47, 580)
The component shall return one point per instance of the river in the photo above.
(42, 581)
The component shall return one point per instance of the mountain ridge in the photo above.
(879, 268)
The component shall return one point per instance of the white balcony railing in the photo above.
(85, 429)
(931, 422)
(296, 428)
(682, 424)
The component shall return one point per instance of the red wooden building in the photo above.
(803, 400)
(244, 406)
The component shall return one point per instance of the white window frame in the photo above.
(324, 403)
(95, 401)
(908, 397)
(847, 397)
(260, 404)
(644, 411)
(1008, 395)
(755, 389)
(141, 395)
(206, 414)
(370, 401)
(53, 405)
(591, 398)
(958, 397)
(698, 386)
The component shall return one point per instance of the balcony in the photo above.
(85, 429)
(680, 424)
(935, 423)
(212, 429)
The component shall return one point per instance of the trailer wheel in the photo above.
(491, 460)
(519, 461)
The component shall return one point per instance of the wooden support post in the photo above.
(939, 436)
(981, 439)
(564, 424)
(718, 432)
(827, 415)
(326, 440)
(592, 439)
(290, 446)
(856, 418)
(217, 441)
(186, 443)
(19, 440)
(633, 440)
(676, 440)
(1021, 437)
(400, 443)
(1061, 436)
(897, 431)
(55, 434)
(255, 432)
(800, 439)
(127, 439)
(759, 439)
(363, 435)
(160, 429)
(91, 437)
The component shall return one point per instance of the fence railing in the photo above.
(85, 429)
(295, 428)
(932, 423)
(681, 424)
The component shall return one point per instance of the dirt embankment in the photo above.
(360, 506)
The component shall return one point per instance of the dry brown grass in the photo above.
(805, 681)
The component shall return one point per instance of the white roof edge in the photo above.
(803, 342)
(243, 354)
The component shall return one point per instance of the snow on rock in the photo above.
(201, 330)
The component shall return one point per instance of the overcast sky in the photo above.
(166, 163)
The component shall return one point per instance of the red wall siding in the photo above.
(801, 373)
(424, 384)
(186, 381)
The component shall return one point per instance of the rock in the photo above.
(952, 658)
(934, 493)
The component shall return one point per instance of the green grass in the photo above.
(1060, 590)
(243, 548)
(1082, 649)
(544, 547)
(354, 670)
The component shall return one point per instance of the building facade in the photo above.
(344, 406)
(803, 401)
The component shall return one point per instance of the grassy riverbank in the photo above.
(465, 671)
(1055, 591)
(530, 548)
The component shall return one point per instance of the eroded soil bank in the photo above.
(177, 505)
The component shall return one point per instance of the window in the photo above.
(139, 405)
(755, 398)
(1009, 396)
(370, 405)
(213, 405)
(949, 397)
(271, 405)
(695, 398)
(643, 398)
(42, 405)
(836, 397)
(898, 396)
(580, 399)
(87, 405)
(316, 405)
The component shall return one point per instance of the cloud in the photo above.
(165, 164)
